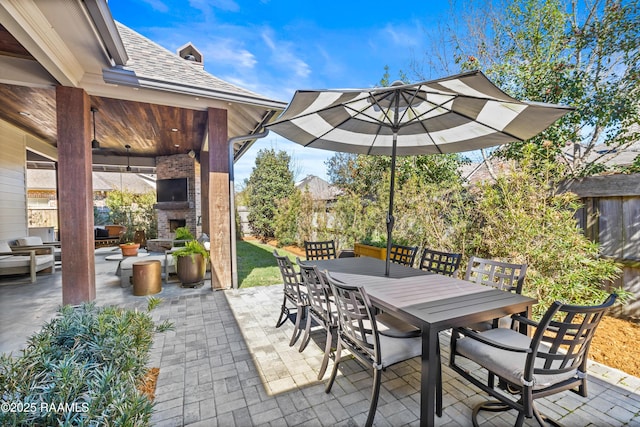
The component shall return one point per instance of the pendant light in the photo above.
(128, 147)
(94, 143)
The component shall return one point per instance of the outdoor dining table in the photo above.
(429, 301)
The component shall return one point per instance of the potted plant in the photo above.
(129, 248)
(183, 235)
(191, 263)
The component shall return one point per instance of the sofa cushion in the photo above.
(102, 233)
(30, 241)
(4, 246)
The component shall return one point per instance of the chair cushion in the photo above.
(15, 261)
(101, 232)
(507, 364)
(30, 241)
(394, 350)
(391, 326)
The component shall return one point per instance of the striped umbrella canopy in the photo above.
(454, 114)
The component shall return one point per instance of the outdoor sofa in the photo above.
(26, 261)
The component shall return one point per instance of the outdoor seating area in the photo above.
(226, 364)
(26, 260)
(108, 235)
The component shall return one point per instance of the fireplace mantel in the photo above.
(173, 206)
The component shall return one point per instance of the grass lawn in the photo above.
(256, 264)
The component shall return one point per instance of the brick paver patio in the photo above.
(226, 364)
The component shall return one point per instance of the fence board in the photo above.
(631, 228)
(610, 224)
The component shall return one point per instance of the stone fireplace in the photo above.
(172, 215)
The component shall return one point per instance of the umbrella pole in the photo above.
(390, 218)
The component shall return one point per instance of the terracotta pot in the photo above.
(129, 250)
(191, 270)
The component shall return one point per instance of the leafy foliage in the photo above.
(518, 218)
(191, 248)
(88, 358)
(523, 220)
(582, 54)
(271, 180)
(135, 211)
(183, 233)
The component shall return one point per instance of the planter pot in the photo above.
(130, 250)
(191, 270)
(360, 249)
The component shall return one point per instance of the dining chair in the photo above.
(320, 309)
(500, 275)
(320, 250)
(358, 333)
(404, 255)
(552, 361)
(445, 263)
(293, 294)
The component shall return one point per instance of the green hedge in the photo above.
(81, 369)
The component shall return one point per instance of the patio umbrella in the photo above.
(454, 114)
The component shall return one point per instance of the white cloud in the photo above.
(282, 54)
(402, 35)
(158, 5)
(228, 51)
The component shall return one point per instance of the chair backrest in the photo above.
(318, 291)
(500, 275)
(289, 276)
(320, 250)
(404, 255)
(560, 344)
(444, 263)
(356, 322)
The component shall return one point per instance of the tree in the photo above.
(585, 54)
(270, 181)
(135, 211)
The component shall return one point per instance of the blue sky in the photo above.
(274, 47)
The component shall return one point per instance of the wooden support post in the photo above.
(218, 203)
(75, 195)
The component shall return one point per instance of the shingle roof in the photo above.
(45, 179)
(152, 61)
(319, 188)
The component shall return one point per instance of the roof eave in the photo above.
(120, 76)
(106, 27)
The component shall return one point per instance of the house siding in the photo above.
(13, 186)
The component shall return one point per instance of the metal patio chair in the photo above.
(320, 309)
(358, 333)
(445, 263)
(293, 294)
(404, 255)
(552, 361)
(320, 250)
(500, 275)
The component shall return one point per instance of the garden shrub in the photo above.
(82, 368)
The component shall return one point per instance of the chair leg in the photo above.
(334, 372)
(375, 393)
(296, 328)
(307, 333)
(284, 313)
(327, 351)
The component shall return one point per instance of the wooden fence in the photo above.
(611, 218)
